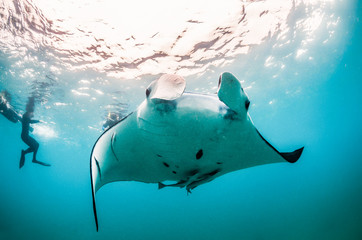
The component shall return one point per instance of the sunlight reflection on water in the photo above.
(82, 60)
(137, 38)
(44, 131)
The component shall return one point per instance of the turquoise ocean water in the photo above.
(305, 89)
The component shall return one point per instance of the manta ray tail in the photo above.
(292, 157)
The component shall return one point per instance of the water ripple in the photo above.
(199, 41)
(75, 59)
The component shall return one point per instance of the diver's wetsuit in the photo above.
(31, 142)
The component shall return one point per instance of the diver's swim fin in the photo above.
(41, 163)
(22, 159)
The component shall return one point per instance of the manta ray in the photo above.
(187, 138)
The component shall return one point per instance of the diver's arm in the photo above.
(34, 121)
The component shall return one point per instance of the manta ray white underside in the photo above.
(183, 137)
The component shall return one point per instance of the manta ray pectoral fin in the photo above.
(167, 87)
(93, 195)
(105, 157)
(291, 157)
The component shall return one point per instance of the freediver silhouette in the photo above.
(31, 142)
(112, 119)
(6, 109)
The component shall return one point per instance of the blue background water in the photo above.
(319, 197)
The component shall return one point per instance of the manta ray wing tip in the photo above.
(292, 157)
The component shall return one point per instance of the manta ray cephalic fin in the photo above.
(167, 87)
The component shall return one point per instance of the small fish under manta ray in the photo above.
(183, 137)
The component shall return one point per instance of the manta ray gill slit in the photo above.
(113, 139)
(98, 167)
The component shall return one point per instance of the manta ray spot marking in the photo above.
(199, 154)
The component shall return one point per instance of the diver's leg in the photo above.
(22, 157)
(36, 147)
(26, 139)
(29, 150)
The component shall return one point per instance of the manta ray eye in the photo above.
(247, 104)
(148, 91)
